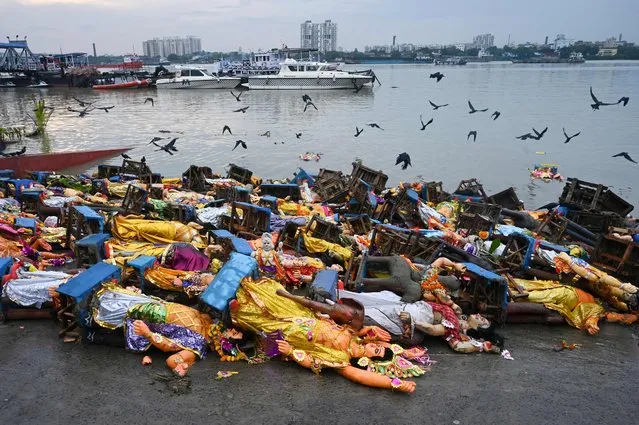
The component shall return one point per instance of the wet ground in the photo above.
(45, 381)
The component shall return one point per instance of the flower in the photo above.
(363, 362)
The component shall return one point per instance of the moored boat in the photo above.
(294, 75)
(66, 162)
(135, 84)
(195, 78)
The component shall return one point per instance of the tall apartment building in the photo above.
(172, 46)
(483, 41)
(321, 36)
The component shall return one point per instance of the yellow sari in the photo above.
(260, 309)
(154, 231)
(575, 305)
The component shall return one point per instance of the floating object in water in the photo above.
(546, 172)
(310, 156)
(541, 153)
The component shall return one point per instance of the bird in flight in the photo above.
(525, 136)
(436, 107)
(437, 75)
(374, 125)
(473, 110)
(105, 108)
(595, 106)
(239, 143)
(569, 138)
(309, 103)
(298, 135)
(472, 133)
(83, 112)
(405, 158)
(358, 131)
(238, 96)
(624, 100)
(624, 155)
(495, 115)
(168, 148)
(306, 98)
(430, 121)
(242, 110)
(164, 131)
(155, 139)
(538, 134)
(149, 99)
(267, 134)
(226, 128)
(125, 156)
(82, 103)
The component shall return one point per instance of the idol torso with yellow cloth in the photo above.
(155, 231)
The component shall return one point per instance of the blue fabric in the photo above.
(7, 173)
(242, 246)
(227, 281)
(79, 286)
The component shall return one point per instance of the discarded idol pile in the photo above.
(204, 262)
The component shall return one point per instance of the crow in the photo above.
(149, 99)
(538, 134)
(374, 125)
(82, 103)
(155, 139)
(495, 115)
(595, 106)
(358, 131)
(237, 97)
(473, 110)
(105, 108)
(310, 103)
(430, 121)
(298, 135)
(239, 143)
(472, 133)
(624, 155)
(125, 156)
(436, 107)
(405, 158)
(306, 98)
(569, 138)
(242, 110)
(226, 128)
(437, 75)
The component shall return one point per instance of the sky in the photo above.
(120, 26)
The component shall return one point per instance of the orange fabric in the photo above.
(584, 297)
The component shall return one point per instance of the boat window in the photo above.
(292, 68)
(196, 73)
(184, 73)
(311, 68)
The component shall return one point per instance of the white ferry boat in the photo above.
(294, 75)
(195, 78)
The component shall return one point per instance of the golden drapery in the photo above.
(315, 245)
(155, 231)
(575, 305)
(260, 309)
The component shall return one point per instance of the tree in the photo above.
(471, 52)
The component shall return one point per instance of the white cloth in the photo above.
(212, 215)
(385, 307)
(112, 306)
(31, 289)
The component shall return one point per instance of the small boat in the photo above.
(294, 75)
(65, 162)
(195, 78)
(136, 84)
(38, 85)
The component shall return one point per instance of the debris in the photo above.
(222, 374)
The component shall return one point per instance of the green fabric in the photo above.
(149, 312)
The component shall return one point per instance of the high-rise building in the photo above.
(321, 36)
(166, 46)
(483, 41)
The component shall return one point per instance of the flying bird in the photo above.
(569, 138)
(168, 148)
(298, 135)
(374, 125)
(425, 125)
(472, 133)
(437, 75)
(306, 98)
(226, 128)
(624, 100)
(164, 131)
(309, 103)
(436, 107)
(155, 139)
(473, 110)
(405, 158)
(149, 99)
(525, 136)
(624, 155)
(538, 134)
(125, 156)
(238, 96)
(82, 103)
(242, 110)
(595, 106)
(358, 131)
(267, 134)
(239, 143)
(105, 108)
(495, 115)
(83, 112)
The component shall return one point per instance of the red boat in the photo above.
(64, 162)
(137, 84)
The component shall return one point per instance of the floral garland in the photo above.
(398, 367)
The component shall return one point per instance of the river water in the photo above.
(527, 96)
